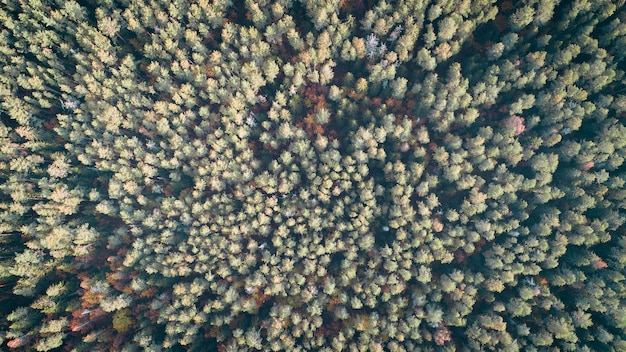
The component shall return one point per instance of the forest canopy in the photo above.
(311, 175)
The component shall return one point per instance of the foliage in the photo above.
(312, 175)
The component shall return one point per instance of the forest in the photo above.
(312, 175)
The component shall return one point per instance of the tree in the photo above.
(169, 170)
(447, 28)
(522, 17)
(425, 60)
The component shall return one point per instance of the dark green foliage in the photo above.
(312, 175)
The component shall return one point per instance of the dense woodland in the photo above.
(312, 175)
